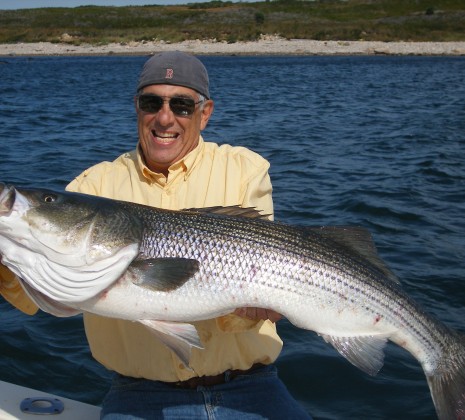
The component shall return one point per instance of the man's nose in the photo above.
(165, 115)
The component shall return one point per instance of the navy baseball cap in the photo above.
(175, 68)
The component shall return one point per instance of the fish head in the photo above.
(67, 246)
(7, 198)
(78, 228)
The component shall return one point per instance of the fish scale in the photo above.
(167, 269)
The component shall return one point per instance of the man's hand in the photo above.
(258, 314)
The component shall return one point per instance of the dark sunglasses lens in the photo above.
(150, 103)
(182, 106)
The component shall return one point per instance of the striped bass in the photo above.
(78, 253)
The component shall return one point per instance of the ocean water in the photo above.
(377, 142)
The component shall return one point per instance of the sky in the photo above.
(29, 4)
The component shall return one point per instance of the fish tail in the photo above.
(447, 382)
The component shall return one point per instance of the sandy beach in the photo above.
(267, 45)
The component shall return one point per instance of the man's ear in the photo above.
(207, 111)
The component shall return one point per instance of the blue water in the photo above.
(371, 141)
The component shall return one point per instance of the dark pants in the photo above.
(256, 395)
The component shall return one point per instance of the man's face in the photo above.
(166, 137)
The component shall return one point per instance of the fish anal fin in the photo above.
(364, 352)
(178, 337)
(358, 239)
(163, 274)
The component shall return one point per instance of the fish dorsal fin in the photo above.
(163, 274)
(236, 211)
(367, 352)
(357, 239)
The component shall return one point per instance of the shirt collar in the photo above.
(182, 167)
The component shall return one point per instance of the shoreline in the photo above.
(267, 45)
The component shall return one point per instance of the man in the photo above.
(174, 168)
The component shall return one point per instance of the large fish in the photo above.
(79, 253)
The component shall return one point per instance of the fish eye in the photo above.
(49, 198)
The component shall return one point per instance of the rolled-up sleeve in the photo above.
(258, 192)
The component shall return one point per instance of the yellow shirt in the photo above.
(210, 175)
(12, 291)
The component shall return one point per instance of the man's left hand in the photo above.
(258, 314)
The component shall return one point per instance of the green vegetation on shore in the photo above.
(371, 20)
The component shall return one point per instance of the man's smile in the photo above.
(164, 137)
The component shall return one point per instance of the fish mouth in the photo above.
(7, 198)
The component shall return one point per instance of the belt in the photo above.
(222, 378)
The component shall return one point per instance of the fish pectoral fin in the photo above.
(365, 352)
(163, 274)
(178, 337)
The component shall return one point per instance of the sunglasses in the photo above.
(179, 105)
